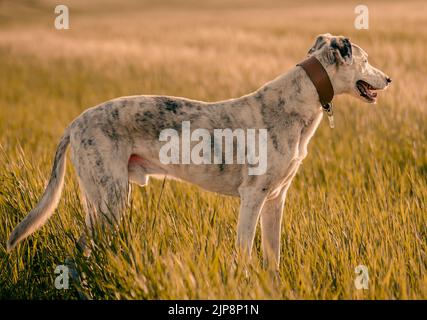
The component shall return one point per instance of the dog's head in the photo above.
(348, 67)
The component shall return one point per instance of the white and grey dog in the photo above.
(117, 142)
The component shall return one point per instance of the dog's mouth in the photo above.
(366, 91)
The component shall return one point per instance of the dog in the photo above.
(117, 143)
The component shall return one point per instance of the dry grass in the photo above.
(359, 198)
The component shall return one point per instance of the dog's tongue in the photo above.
(369, 92)
(365, 86)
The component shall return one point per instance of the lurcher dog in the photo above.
(117, 142)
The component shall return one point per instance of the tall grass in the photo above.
(359, 197)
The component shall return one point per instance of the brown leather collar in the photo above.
(320, 79)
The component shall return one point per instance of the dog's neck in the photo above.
(292, 92)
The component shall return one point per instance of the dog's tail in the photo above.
(49, 201)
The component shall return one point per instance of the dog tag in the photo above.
(330, 113)
(331, 121)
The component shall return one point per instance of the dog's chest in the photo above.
(297, 152)
(307, 133)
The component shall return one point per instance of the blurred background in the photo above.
(359, 198)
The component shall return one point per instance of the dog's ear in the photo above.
(341, 51)
(334, 49)
(320, 41)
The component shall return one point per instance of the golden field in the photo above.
(359, 197)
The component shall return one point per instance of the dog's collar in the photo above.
(322, 83)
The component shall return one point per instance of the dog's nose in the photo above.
(388, 80)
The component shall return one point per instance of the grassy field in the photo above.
(359, 197)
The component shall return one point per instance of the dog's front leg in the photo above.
(251, 202)
(271, 223)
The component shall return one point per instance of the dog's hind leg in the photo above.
(102, 169)
(106, 199)
(104, 207)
